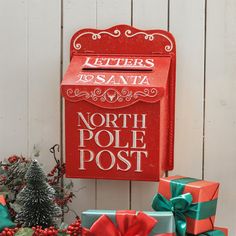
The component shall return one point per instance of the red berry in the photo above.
(12, 159)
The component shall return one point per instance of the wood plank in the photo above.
(220, 148)
(187, 25)
(113, 194)
(78, 14)
(150, 14)
(147, 15)
(113, 12)
(44, 79)
(14, 78)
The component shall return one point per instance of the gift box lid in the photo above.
(201, 190)
(204, 195)
(166, 223)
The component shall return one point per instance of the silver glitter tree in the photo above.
(37, 200)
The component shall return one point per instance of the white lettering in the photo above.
(121, 146)
(117, 140)
(95, 117)
(124, 121)
(111, 62)
(136, 139)
(100, 135)
(82, 158)
(87, 64)
(114, 79)
(98, 61)
(81, 116)
(144, 81)
(124, 160)
(112, 158)
(83, 136)
(138, 158)
(142, 121)
(150, 62)
(100, 79)
(111, 122)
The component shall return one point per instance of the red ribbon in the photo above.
(128, 224)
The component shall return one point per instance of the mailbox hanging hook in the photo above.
(53, 150)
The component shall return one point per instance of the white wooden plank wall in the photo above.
(29, 84)
(43, 78)
(13, 82)
(79, 14)
(187, 25)
(35, 36)
(220, 134)
(154, 15)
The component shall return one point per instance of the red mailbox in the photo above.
(119, 92)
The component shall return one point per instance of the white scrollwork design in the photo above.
(72, 93)
(111, 95)
(150, 37)
(95, 36)
(145, 93)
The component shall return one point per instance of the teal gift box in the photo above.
(5, 220)
(127, 222)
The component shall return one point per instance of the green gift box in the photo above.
(192, 201)
(98, 222)
(5, 220)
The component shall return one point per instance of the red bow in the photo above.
(128, 224)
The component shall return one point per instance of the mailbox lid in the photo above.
(115, 81)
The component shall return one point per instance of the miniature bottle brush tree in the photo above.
(37, 200)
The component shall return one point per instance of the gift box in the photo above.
(127, 223)
(5, 220)
(216, 232)
(192, 201)
(223, 230)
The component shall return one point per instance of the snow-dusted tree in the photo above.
(37, 200)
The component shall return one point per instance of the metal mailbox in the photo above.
(119, 92)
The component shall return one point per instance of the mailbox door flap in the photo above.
(116, 81)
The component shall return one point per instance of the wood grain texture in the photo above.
(187, 25)
(30, 86)
(220, 123)
(113, 194)
(146, 15)
(150, 14)
(78, 14)
(14, 78)
(110, 13)
(44, 79)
